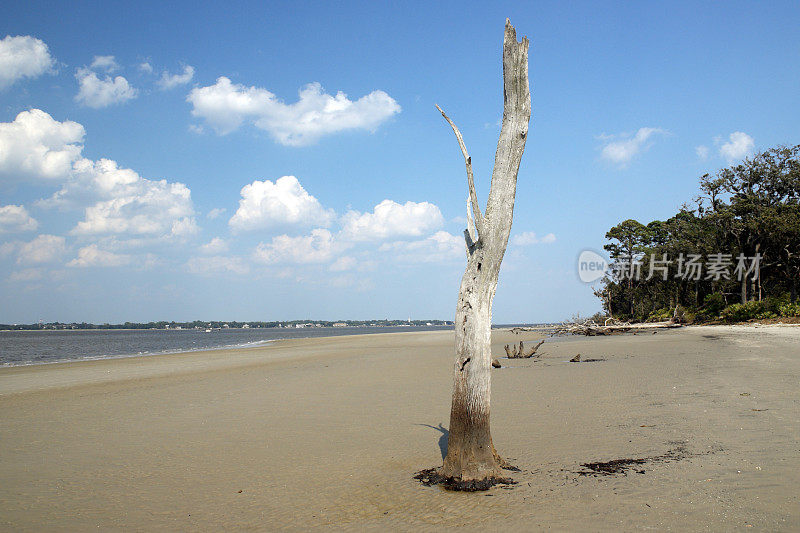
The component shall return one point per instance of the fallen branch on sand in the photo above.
(514, 352)
(611, 326)
(526, 329)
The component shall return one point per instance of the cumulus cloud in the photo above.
(391, 219)
(620, 149)
(738, 146)
(529, 237)
(23, 56)
(702, 152)
(215, 213)
(265, 204)
(226, 106)
(439, 247)
(343, 263)
(27, 274)
(107, 63)
(170, 81)
(8, 248)
(15, 219)
(35, 145)
(42, 249)
(92, 256)
(129, 203)
(184, 226)
(97, 93)
(319, 247)
(216, 265)
(116, 200)
(146, 67)
(214, 246)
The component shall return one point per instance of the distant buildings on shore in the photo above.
(217, 325)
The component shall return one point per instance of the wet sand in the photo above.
(327, 433)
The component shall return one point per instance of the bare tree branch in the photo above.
(473, 196)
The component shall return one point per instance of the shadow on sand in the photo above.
(442, 440)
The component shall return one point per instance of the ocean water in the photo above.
(53, 346)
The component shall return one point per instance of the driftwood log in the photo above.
(591, 328)
(514, 352)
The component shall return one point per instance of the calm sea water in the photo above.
(37, 347)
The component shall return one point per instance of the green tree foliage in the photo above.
(750, 208)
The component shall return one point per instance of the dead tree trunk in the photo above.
(471, 458)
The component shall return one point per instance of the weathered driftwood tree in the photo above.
(512, 352)
(472, 462)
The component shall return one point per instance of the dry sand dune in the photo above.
(328, 433)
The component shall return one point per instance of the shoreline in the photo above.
(343, 332)
(541, 331)
(77, 372)
(242, 346)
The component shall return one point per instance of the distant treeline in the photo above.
(214, 324)
(733, 254)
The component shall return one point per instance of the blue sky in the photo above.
(285, 161)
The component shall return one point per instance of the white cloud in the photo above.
(225, 106)
(35, 145)
(23, 56)
(623, 150)
(529, 237)
(343, 263)
(214, 246)
(107, 63)
(702, 152)
(149, 262)
(120, 201)
(185, 226)
(265, 204)
(146, 67)
(129, 203)
(319, 247)
(42, 249)
(215, 213)
(352, 282)
(27, 274)
(15, 218)
(116, 200)
(170, 81)
(92, 256)
(390, 219)
(8, 248)
(95, 92)
(216, 264)
(738, 146)
(439, 247)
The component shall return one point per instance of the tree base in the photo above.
(431, 476)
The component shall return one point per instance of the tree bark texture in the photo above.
(470, 453)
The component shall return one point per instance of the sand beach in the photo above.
(703, 424)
